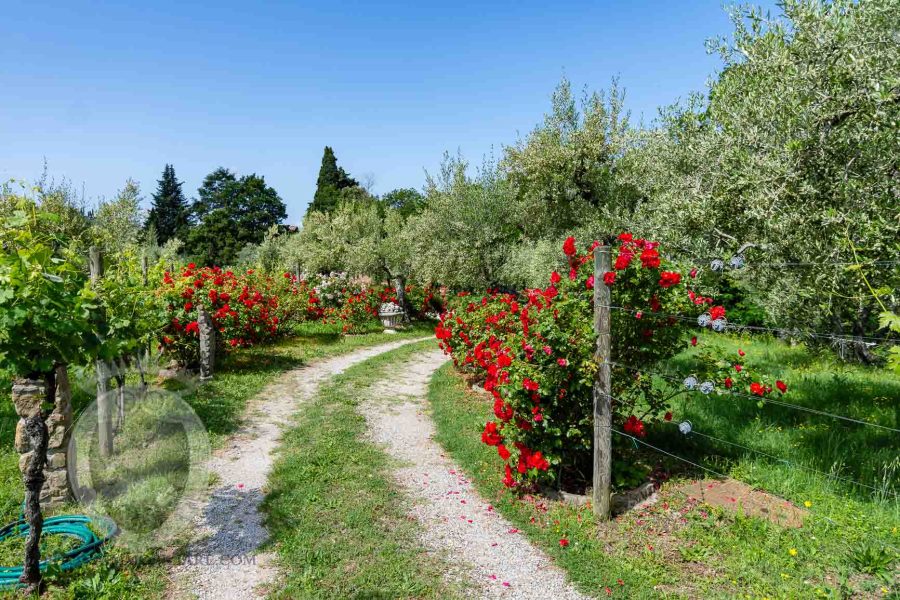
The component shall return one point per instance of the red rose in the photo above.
(756, 388)
(530, 385)
(781, 386)
(717, 312)
(693, 273)
(502, 451)
(668, 416)
(609, 278)
(555, 278)
(508, 480)
(623, 260)
(626, 237)
(728, 382)
(650, 258)
(738, 368)
(490, 435)
(694, 341)
(634, 426)
(741, 352)
(562, 362)
(564, 542)
(668, 279)
(569, 246)
(589, 284)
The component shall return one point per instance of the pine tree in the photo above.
(170, 215)
(332, 179)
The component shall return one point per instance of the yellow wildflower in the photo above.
(807, 504)
(792, 552)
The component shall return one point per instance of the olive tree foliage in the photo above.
(463, 236)
(795, 150)
(117, 223)
(562, 179)
(563, 173)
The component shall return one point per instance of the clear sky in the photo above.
(111, 91)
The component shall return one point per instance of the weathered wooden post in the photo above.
(602, 386)
(145, 269)
(104, 402)
(207, 333)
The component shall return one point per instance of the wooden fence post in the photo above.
(145, 268)
(602, 386)
(104, 404)
(207, 333)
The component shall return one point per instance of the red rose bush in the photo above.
(534, 353)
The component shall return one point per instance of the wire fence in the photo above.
(724, 264)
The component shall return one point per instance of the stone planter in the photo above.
(391, 315)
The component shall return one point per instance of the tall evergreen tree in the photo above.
(170, 214)
(332, 179)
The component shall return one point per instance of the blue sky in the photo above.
(111, 91)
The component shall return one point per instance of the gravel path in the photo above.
(223, 562)
(482, 546)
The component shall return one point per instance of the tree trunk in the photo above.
(859, 345)
(33, 478)
(401, 297)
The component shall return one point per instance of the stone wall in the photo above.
(28, 395)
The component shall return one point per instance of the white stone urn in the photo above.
(391, 315)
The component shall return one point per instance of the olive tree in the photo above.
(795, 151)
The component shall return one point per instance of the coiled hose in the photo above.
(74, 526)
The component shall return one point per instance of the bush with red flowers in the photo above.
(246, 308)
(534, 353)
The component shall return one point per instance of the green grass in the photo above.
(220, 405)
(682, 548)
(337, 520)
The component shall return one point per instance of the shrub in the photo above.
(534, 352)
(246, 309)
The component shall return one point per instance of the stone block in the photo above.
(27, 396)
(23, 444)
(57, 460)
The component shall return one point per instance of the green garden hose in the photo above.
(74, 526)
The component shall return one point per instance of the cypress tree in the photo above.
(332, 179)
(170, 215)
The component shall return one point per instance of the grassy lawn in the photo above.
(219, 404)
(338, 522)
(681, 547)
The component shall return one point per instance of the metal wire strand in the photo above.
(763, 399)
